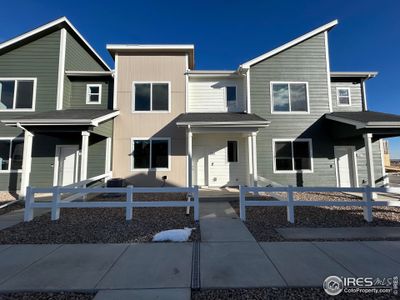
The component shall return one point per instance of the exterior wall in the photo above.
(210, 155)
(208, 94)
(104, 129)
(355, 95)
(37, 59)
(145, 125)
(78, 93)
(96, 156)
(303, 62)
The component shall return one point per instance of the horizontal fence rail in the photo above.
(56, 204)
(367, 202)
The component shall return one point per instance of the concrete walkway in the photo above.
(229, 258)
(17, 216)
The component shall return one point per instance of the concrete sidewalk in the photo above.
(169, 266)
(229, 258)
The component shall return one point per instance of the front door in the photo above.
(345, 166)
(66, 164)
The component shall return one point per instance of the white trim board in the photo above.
(61, 69)
(292, 43)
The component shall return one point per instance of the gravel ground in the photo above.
(261, 221)
(101, 225)
(275, 293)
(47, 296)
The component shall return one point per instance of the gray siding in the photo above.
(355, 96)
(303, 62)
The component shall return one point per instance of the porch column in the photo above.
(26, 162)
(254, 155)
(250, 160)
(84, 154)
(190, 157)
(369, 158)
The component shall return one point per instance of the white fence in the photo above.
(56, 204)
(367, 203)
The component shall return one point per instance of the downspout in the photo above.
(363, 94)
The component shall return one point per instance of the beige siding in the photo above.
(209, 95)
(128, 125)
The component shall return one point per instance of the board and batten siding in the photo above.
(355, 96)
(210, 160)
(209, 95)
(128, 125)
(304, 62)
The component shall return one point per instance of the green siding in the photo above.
(78, 94)
(104, 129)
(77, 58)
(37, 59)
(97, 156)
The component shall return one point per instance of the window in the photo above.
(232, 151)
(292, 156)
(231, 95)
(343, 96)
(151, 96)
(93, 94)
(17, 94)
(151, 153)
(289, 97)
(11, 151)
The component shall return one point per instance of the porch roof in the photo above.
(228, 119)
(347, 124)
(68, 117)
(366, 119)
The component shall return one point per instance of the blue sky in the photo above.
(227, 33)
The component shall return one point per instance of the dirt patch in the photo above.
(261, 221)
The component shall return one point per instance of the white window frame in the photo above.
(16, 79)
(290, 105)
(11, 139)
(150, 139)
(337, 95)
(151, 97)
(234, 103)
(310, 145)
(88, 94)
(227, 153)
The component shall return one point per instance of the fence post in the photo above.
(28, 212)
(189, 195)
(196, 203)
(129, 202)
(290, 205)
(55, 209)
(367, 209)
(242, 203)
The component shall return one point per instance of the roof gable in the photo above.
(62, 22)
(288, 45)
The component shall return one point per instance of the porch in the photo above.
(64, 147)
(221, 148)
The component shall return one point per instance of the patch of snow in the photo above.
(174, 235)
